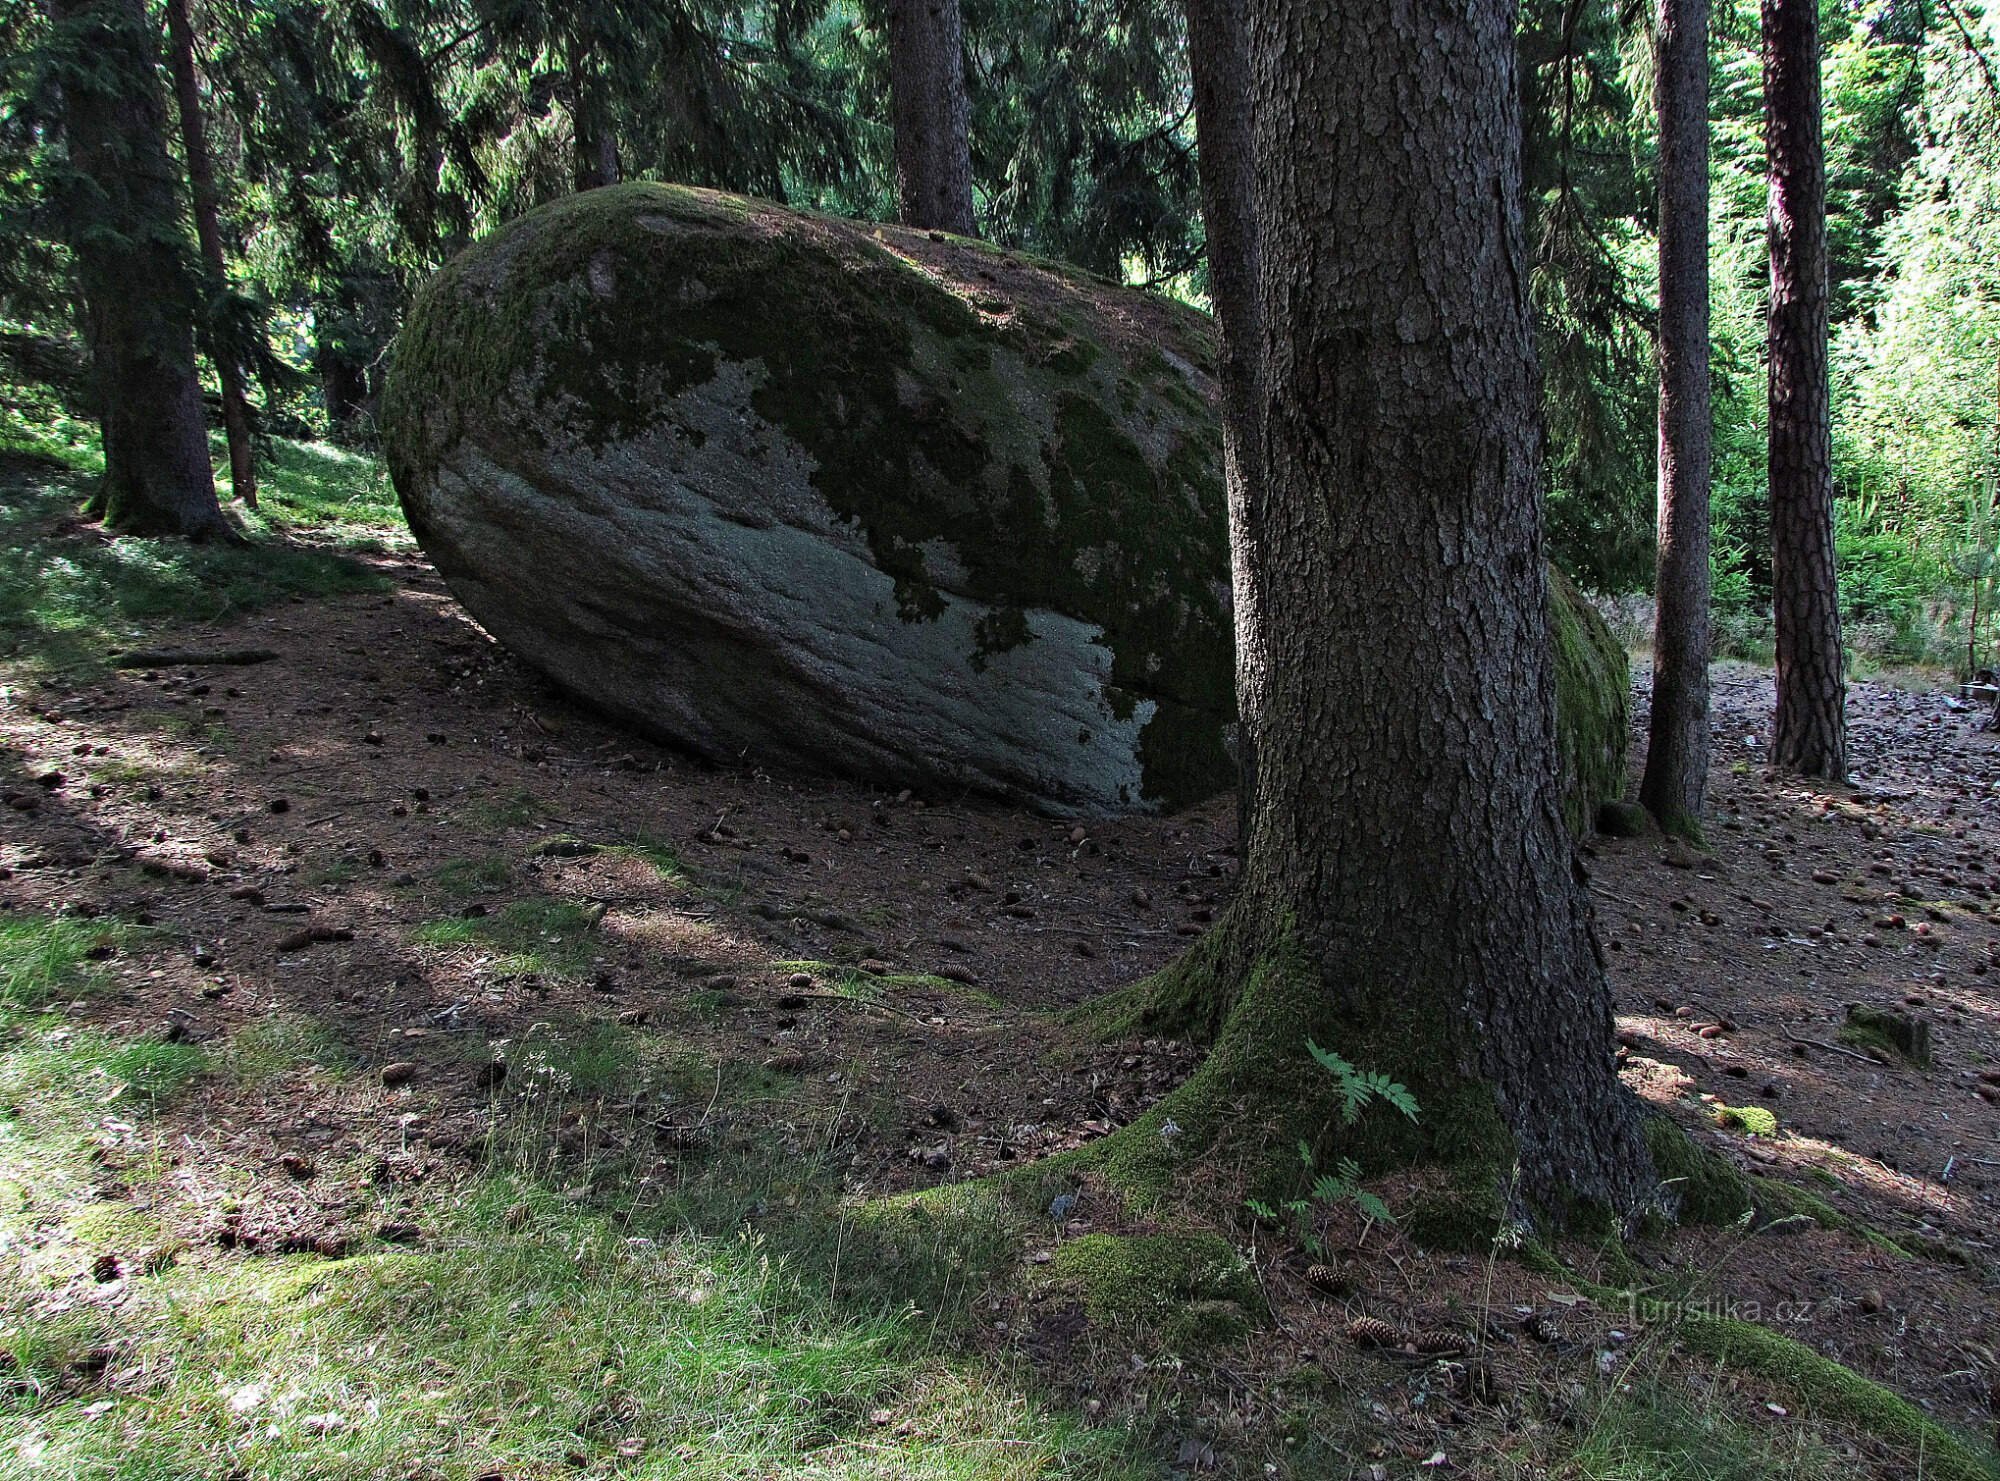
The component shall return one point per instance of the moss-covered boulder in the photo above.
(833, 496)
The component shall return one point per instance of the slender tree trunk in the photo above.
(1676, 781)
(1219, 55)
(594, 146)
(131, 263)
(1409, 848)
(1810, 732)
(931, 116)
(208, 231)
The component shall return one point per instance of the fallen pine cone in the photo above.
(788, 1062)
(1437, 1341)
(311, 935)
(681, 1138)
(1542, 1327)
(1370, 1331)
(1328, 1278)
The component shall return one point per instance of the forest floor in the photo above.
(405, 1073)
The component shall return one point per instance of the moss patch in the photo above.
(1703, 1188)
(1592, 685)
(1024, 459)
(1156, 1278)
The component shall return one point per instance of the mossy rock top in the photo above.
(840, 497)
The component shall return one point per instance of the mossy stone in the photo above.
(850, 498)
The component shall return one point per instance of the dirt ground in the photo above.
(337, 836)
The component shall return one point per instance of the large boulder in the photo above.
(840, 497)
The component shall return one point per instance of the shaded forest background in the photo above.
(357, 146)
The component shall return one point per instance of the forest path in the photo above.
(392, 849)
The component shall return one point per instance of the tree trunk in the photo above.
(130, 261)
(208, 231)
(1675, 784)
(1410, 897)
(1809, 734)
(931, 116)
(594, 146)
(1219, 56)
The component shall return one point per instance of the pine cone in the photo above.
(1328, 1278)
(1542, 1327)
(1475, 1381)
(1369, 1331)
(1438, 1340)
(788, 1062)
(681, 1138)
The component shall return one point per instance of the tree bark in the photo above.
(931, 116)
(1809, 734)
(1219, 57)
(1675, 785)
(593, 144)
(1409, 842)
(130, 259)
(208, 232)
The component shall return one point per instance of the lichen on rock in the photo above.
(837, 496)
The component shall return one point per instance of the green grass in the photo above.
(587, 1059)
(552, 937)
(539, 1339)
(465, 878)
(1662, 1432)
(515, 808)
(68, 597)
(283, 1044)
(43, 958)
(658, 854)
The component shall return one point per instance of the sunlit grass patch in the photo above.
(282, 1044)
(553, 937)
(1663, 1431)
(468, 877)
(334, 492)
(69, 597)
(45, 957)
(495, 813)
(536, 1336)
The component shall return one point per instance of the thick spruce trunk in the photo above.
(932, 120)
(1219, 56)
(1410, 898)
(136, 288)
(208, 232)
(1675, 784)
(1809, 734)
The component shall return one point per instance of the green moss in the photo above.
(1892, 1036)
(1703, 1188)
(1756, 1120)
(1835, 1393)
(1592, 684)
(1155, 1277)
(1260, 1092)
(587, 318)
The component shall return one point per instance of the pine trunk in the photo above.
(593, 145)
(1809, 734)
(1675, 784)
(208, 232)
(931, 115)
(1409, 847)
(130, 262)
(1219, 56)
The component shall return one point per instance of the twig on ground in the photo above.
(1832, 1048)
